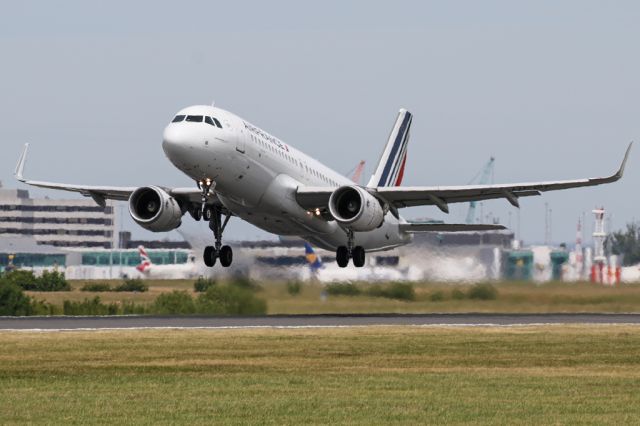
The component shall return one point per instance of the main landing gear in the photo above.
(344, 253)
(213, 214)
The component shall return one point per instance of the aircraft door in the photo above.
(240, 141)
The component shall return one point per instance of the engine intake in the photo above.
(155, 210)
(354, 207)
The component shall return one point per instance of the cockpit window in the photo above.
(213, 121)
(194, 118)
(178, 118)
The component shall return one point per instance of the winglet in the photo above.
(620, 171)
(20, 166)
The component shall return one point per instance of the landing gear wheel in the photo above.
(196, 214)
(207, 214)
(209, 256)
(342, 256)
(358, 256)
(226, 256)
(217, 225)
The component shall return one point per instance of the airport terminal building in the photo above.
(59, 222)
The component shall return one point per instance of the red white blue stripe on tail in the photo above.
(390, 169)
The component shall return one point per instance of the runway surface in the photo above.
(300, 321)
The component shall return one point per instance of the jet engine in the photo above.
(355, 208)
(155, 210)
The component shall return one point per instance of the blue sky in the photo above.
(549, 88)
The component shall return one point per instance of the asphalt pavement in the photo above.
(295, 321)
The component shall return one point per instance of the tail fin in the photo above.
(313, 259)
(390, 169)
(145, 261)
(357, 172)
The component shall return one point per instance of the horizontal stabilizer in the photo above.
(413, 228)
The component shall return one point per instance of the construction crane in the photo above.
(482, 178)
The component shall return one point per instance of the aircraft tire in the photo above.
(209, 256)
(197, 214)
(226, 256)
(358, 255)
(342, 256)
(207, 214)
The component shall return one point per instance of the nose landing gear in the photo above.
(344, 253)
(218, 251)
(213, 215)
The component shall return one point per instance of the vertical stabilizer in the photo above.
(390, 169)
(145, 261)
(313, 259)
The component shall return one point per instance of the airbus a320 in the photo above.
(241, 170)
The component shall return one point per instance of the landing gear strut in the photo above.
(213, 215)
(217, 225)
(344, 253)
(198, 213)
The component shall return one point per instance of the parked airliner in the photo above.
(148, 269)
(241, 170)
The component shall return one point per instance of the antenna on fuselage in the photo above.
(213, 103)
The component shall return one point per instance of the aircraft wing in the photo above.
(442, 196)
(102, 193)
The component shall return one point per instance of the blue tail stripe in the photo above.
(394, 151)
(398, 162)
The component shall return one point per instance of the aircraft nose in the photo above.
(173, 140)
(171, 137)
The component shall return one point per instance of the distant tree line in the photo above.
(626, 243)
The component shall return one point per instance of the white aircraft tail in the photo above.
(145, 261)
(390, 169)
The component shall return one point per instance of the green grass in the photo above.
(512, 297)
(372, 375)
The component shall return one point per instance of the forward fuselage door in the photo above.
(240, 140)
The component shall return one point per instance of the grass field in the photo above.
(372, 375)
(512, 297)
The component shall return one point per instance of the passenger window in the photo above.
(194, 118)
(177, 119)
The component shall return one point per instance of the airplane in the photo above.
(241, 170)
(150, 270)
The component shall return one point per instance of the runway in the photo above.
(302, 321)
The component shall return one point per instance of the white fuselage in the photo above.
(167, 272)
(256, 176)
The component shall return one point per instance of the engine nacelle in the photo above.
(354, 207)
(155, 210)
